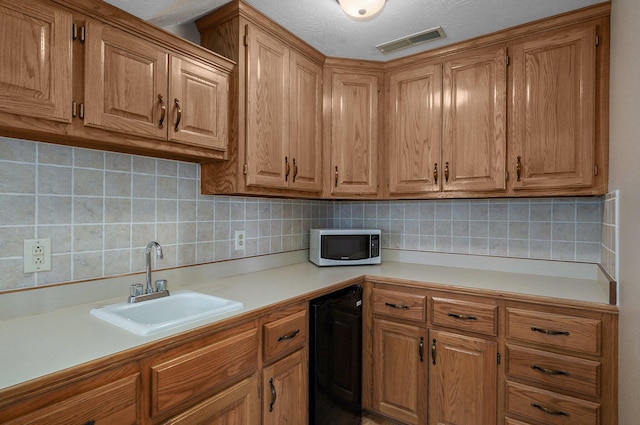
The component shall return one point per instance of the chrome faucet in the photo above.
(153, 244)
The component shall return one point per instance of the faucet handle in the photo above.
(161, 285)
(136, 289)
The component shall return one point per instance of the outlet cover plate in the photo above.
(240, 236)
(37, 255)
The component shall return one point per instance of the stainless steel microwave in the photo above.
(344, 247)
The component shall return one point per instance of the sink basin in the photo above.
(158, 315)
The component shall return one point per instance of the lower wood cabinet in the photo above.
(400, 371)
(463, 378)
(237, 405)
(285, 390)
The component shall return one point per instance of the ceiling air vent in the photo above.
(412, 40)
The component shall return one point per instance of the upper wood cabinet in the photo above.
(447, 125)
(283, 121)
(109, 82)
(276, 136)
(414, 110)
(36, 66)
(475, 121)
(137, 87)
(353, 134)
(553, 110)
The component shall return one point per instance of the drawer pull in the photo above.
(274, 395)
(398, 306)
(462, 316)
(549, 371)
(549, 411)
(549, 332)
(289, 335)
(433, 351)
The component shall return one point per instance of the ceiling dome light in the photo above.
(362, 9)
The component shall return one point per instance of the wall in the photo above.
(625, 176)
(100, 209)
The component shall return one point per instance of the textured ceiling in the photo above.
(322, 24)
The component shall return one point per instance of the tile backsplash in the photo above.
(100, 209)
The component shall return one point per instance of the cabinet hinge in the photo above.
(595, 170)
(597, 40)
(245, 169)
(498, 358)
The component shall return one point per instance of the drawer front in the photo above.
(550, 408)
(400, 305)
(557, 371)
(574, 333)
(466, 315)
(175, 381)
(112, 404)
(284, 335)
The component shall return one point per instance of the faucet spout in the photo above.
(158, 249)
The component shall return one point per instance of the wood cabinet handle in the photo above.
(336, 175)
(397, 306)
(295, 171)
(274, 395)
(446, 172)
(289, 335)
(518, 168)
(549, 411)
(462, 316)
(549, 371)
(549, 332)
(435, 173)
(179, 116)
(163, 111)
(421, 349)
(287, 169)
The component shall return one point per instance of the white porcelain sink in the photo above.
(179, 308)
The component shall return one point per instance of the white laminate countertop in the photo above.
(54, 336)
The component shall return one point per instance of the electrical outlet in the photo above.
(240, 240)
(37, 255)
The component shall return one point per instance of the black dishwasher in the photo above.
(335, 358)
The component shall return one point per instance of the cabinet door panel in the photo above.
(415, 129)
(400, 371)
(553, 104)
(202, 96)
(462, 380)
(125, 82)
(305, 136)
(354, 134)
(35, 73)
(237, 405)
(267, 106)
(475, 122)
(285, 391)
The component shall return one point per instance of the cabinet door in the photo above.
(475, 121)
(237, 405)
(125, 83)
(267, 118)
(354, 134)
(198, 103)
(305, 134)
(553, 110)
(462, 380)
(400, 371)
(415, 129)
(285, 391)
(35, 71)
